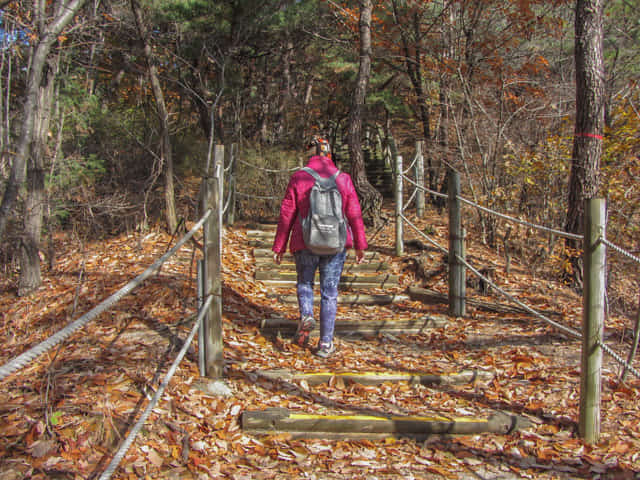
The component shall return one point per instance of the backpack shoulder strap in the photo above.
(324, 182)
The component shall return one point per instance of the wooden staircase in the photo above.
(360, 285)
(356, 278)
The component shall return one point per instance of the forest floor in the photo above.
(65, 414)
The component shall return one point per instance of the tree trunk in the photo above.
(413, 66)
(166, 155)
(587, 143)
(30, 274)
(370, 198)
(65, 13)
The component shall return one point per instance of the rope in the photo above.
(559, 326)
(620, 250)
(415, 159)
(522, 222)
(568, 330)
(270, 170)
(227, 202)
(27, 357)
(425, 189)
(228, 167)
(413, 195)
(433, 242)
(117, 458)
(260, 197)
(618, 358)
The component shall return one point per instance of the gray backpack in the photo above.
(324, 228)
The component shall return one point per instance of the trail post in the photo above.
(457, 286)
(419, 175)
(593, 319)
(399, 207)
(212, 199)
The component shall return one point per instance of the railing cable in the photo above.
(27, 357)
(259, 197)
(269, 170)
(619, 250)
(559, 326)
(522, 222)
(618, 358)
(425, 189)
(408, 169)
(117, 458)
(430, 240)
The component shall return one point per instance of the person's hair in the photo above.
(319, 145)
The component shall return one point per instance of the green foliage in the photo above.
(54, 418)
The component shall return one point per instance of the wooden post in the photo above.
(213, 269)
(218, 171)
(230, 216)
(457, 286)
(420, 194)
(593, 319)
(399, 233)
(201, 339)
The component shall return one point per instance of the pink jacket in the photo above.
(296, 204)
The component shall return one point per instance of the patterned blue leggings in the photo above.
(330, 267)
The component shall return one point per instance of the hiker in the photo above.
(293, 210)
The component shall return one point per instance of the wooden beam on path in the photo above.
(369, 255)
(288, 279)
(376, 378)
(360, 327)
(431, 296)
(369, 267)
(301, 425)
(352, 299)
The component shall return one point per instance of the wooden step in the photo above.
(275, 421)
(261, 234)
(288, 279)
(266, 252)
(273, 326)
(377, 378)
(286, 266)
(351, 299)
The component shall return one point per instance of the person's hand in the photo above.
(277, 257)
(359, 256)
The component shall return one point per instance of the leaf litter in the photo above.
(65, 414)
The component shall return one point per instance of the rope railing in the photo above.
(425, 189)
(410, 167)
(559, 326)
(620, 250)
(573, 333)
(269, 170)
(430, 240)
(618, 358)
(561, 233)
(27, 357)
(411, 198)
(493, 212)
(117, 458)
(259, 197)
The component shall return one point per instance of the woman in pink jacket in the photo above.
(295, 206)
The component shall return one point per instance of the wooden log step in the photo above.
(275, 421)
(352, 299)
(261, 234)
(266, 262)
(376, 378)
(288, 279)
(261, 226)
(431, 297)
(369, 255)
(361, 327)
